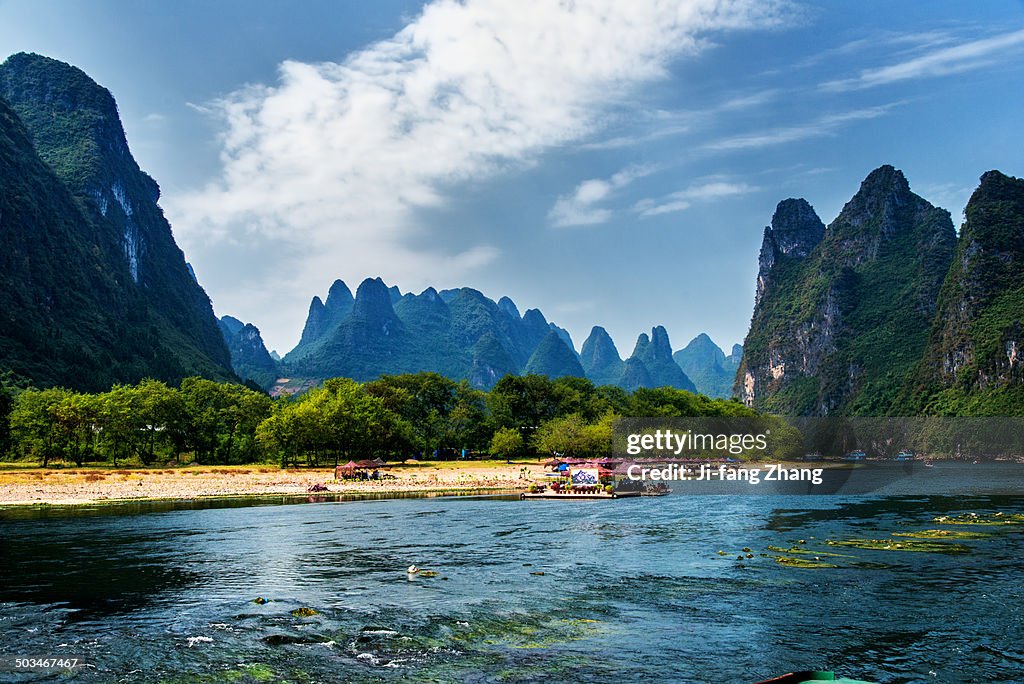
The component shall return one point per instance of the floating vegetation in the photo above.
(305, 612)
(975, 519)
(803, 562)
(806, 551)
(943, 534)
(259, 600)
(900, 545)
(428, 573)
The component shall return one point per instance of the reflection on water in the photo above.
(679, 588)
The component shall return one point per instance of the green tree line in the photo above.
(423, 415)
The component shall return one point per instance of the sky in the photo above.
(610, 163)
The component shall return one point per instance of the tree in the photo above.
(77, 418)
(572, 436)
(563, 437)
(466, 427)
(34, 423)
(220, 419)
(8, 391)
(506, 443)
(424, 400)
(522, 402)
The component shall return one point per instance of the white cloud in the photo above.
(651, 126)
(939, 62)
(335, 159)
(683, 199)
(582, 206)
(822, 126)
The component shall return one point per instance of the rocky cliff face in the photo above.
(164, 324)
(974, 363)
(794, 232)
(842, 315)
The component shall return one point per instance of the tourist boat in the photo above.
(856, 455)
(571, 495)
(906, 455)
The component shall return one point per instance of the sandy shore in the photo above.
(87, 485)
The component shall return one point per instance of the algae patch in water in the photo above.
(914, 545)
(305, 612)
(943, 534)
(804, 551)
(803, 562)
(975, 519)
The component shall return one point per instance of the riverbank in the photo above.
(77, 486)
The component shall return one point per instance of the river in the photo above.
(652, 588)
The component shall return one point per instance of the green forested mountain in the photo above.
(324, 316)
(655, 353)
(711, 371)
(600, 358)
(842, 314)
(650, 365)
(95, 291)
(888, 312)
(554, 358)
(463, 335)
(974, 362)
(249, 356)
(458, 333)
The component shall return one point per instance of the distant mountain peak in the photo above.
(509, 307)
(535, 317)
(600, 359)
(554, 358)
(373, 300)
(707, 366)
(339, 293)
(654, 352)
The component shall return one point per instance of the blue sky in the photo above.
(610, 163)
